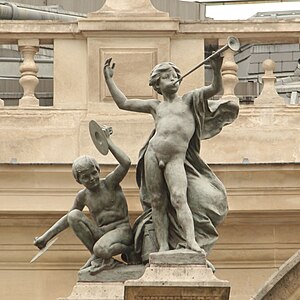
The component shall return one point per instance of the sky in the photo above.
(245, 11)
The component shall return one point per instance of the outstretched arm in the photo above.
(58, 227)
(216, 85)
(146, 106)
(116, 176)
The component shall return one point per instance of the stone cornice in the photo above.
(134, 26)
(254, 31)
(50, 188)
(260, 31)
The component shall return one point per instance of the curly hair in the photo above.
(82, 163)
(156, 72)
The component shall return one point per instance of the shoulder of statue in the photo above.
(194, 95)
(81, 196)
(105, 182)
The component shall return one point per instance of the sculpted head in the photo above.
(86, 170)
(158, 70)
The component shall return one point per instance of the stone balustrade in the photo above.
(73, 42)
(79, 91)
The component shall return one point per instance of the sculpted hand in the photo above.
(39, 242)
(216, 62)
(108, 69)
(108, 131)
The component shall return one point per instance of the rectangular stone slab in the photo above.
(176, 293)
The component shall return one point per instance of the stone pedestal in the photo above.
(97, 291)
(172, 275)
(106, 285)
(177, 275)
(128, 8)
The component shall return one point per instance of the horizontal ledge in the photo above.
(245, 217)
(225, 164)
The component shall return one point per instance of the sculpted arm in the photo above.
(145, 106)
(58, 227)
(216, 85)
(115, 177)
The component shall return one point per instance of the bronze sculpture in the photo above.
(108, 232)
(183, 200)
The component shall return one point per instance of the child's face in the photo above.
(89, 177)
(166, 82)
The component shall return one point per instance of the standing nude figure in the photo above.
(166, 152)
(108, 233)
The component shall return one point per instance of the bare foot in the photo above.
(89, 262)
(106, 264)
(163, 248)
(193, 245)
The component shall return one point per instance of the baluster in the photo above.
(229, 76)
(28, 69)
(269, 95)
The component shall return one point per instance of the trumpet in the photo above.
(232, 43)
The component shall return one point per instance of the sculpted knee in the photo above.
(74, 216)
(178, 199)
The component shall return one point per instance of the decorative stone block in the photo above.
(142, 59)
(128, 8)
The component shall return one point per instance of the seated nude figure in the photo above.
(166, 152)
(108, 233)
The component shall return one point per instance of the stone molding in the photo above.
(55, 187)
(283, 284)
(265, 207)
(254, 31)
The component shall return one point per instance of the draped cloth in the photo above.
(206, 194)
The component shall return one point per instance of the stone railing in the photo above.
(29, 35)
(136, 41)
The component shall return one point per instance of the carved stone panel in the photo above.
(176, 293)
(133, 67)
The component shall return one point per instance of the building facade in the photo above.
(257, 157)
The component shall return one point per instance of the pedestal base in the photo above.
(168, 279)
(172, 275)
